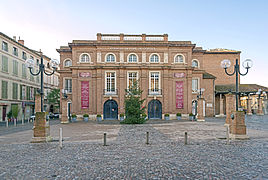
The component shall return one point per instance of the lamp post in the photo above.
(200, 93)
(225, 64)
(41, 71)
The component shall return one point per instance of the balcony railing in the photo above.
(155, 91)
(110, 92)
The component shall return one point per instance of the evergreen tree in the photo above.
(134, 109)
(53, 97)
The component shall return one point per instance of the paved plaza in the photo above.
(83, 156)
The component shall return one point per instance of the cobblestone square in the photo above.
(83, 156)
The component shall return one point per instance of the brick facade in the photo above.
(143, 46)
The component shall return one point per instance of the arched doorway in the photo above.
(155, 109)
(110, 110)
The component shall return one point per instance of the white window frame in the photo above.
(198, 84)
(109, 54)
(128, 77)
(159, 60)
(80, 58)
(67, 60)
(130, 55)
(179, 54)
(110, 92)
(64, 85)
(197, 63)
(159, 86)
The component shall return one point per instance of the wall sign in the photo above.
(84, 94)
(84, 74)
(179, 75)
(179, 94)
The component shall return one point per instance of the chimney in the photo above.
(14, 38)
(21, 41)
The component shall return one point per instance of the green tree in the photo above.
(53, 97)
(134, 108)
(15, 111)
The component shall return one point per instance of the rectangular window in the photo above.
(4, 46)
(4, 90)
(24, 74)
(15, 51)
(154, 83)
(110, 82)
(132, 78)
(68, 85)
(15, 67)
(24, 56)
(4, 64)
(31, 76)
(14, 91)
(194, 85)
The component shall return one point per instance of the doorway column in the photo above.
(260, 112)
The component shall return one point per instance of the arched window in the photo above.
(132, 58)
(179, 58)
(84, 58)
(154, 58)
(67, 63)
(195, 63)
(110, 58)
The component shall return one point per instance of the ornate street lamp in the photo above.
(30, 64)
(246, 64)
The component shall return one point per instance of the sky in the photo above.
(232, 24)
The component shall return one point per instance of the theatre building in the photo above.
(95, 73)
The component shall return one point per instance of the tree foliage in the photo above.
(53, 97)
(134, 108)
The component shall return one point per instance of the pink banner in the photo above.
(84, 94)
(179, 94)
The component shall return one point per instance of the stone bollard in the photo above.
(185, 138)
(15, 122)
(60, 139)
(147, 137)
(104, 139)
(22, 121)
(28, 120)
(6, 122)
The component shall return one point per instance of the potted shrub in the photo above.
(85, 117)
(98, 117)
(122, 117)
(74, 117)
(166, 116)
(178, 116)
(191, 116)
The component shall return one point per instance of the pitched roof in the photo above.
(208, 76)
(243, 88)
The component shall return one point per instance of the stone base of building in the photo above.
(220, 115)
(249, 114)
(201, 120)
(260, 114)
(41, 139)
(238, 136)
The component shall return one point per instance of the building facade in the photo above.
(17, 85)
(95, 73)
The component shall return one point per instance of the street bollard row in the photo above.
(15, 121)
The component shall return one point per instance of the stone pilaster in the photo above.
(37, 103)
(221, 106)
(41, 128)
(64, 115)
(249, 111)
(260, 111)
(200, 104)
(230, 106)
(238, 128)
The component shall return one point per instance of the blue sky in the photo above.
(233, 24)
